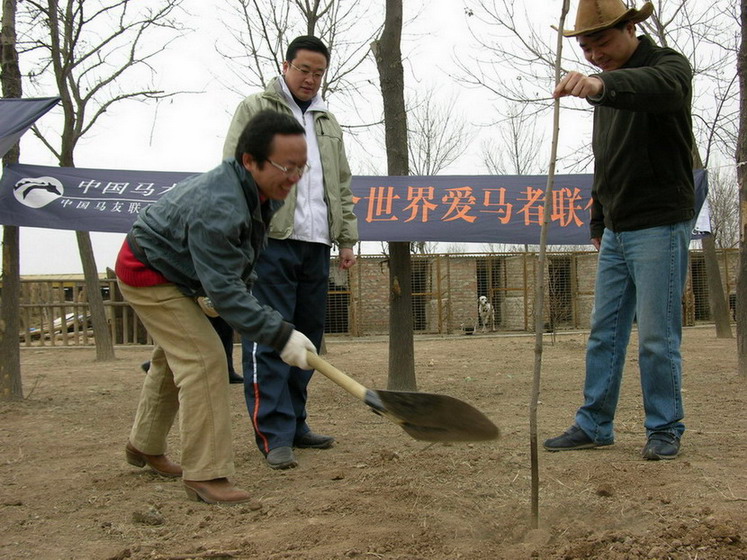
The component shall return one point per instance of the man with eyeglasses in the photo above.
(294, 268)
(202, 239)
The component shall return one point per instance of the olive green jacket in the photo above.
(343, 225)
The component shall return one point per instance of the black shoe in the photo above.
(145, 366)
(661, 445)
(573, 438)
(234, 377)
(281, 458)
(310, 440)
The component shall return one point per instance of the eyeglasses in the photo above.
(290, 171)
(306, 73)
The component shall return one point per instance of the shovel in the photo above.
(424, 416)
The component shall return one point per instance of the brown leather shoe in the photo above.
(159, 463)
(218, 491)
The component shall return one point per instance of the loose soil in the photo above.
(66, 491)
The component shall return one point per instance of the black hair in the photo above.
(258, 134)
(622, 25)
(307, 42)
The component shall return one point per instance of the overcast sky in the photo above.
(186, 133)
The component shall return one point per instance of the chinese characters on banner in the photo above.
(472, 208)
(498, 209)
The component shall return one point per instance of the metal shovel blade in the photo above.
(430, 417)
(424, 416)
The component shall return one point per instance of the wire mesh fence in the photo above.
(446, 297)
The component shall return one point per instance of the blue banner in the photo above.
(17, 116)
(472, 208)
(466, 208)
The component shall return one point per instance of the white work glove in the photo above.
(294, 351)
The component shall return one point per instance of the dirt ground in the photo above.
(67, 492)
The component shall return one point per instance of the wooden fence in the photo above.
(54, 311)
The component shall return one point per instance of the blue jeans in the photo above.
(641, 275)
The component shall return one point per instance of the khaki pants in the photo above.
(188, 373)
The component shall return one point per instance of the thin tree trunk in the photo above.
(11, 386)
(742, 178)
(401, 345)
(716, 296)
(539, 283)
(719, 309)
(101, 332)
(391, 75)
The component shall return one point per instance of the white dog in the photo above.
(486, 313)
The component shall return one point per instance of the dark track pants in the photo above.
(293, 278)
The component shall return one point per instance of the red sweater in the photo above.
(134, 273)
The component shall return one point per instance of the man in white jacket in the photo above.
(293, 270)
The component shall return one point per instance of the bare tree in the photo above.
(424, 247)
(499, 247)
(437, 134)
(436, 137)
(518, 150)
(515, 62)
(388, 56)
(714, 122)
(456, 249)
(90, 49)
(723, 203)
(741, 157)
(518, 70)
(262, 29)
(11, 386)
(705, 34)
(539, 286)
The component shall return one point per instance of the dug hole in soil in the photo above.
(67, 492)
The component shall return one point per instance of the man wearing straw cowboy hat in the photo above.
(643, 205)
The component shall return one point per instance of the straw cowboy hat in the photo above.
(597, 15)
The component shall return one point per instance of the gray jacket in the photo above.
(205, 236)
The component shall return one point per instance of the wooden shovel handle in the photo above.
(335, 375)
